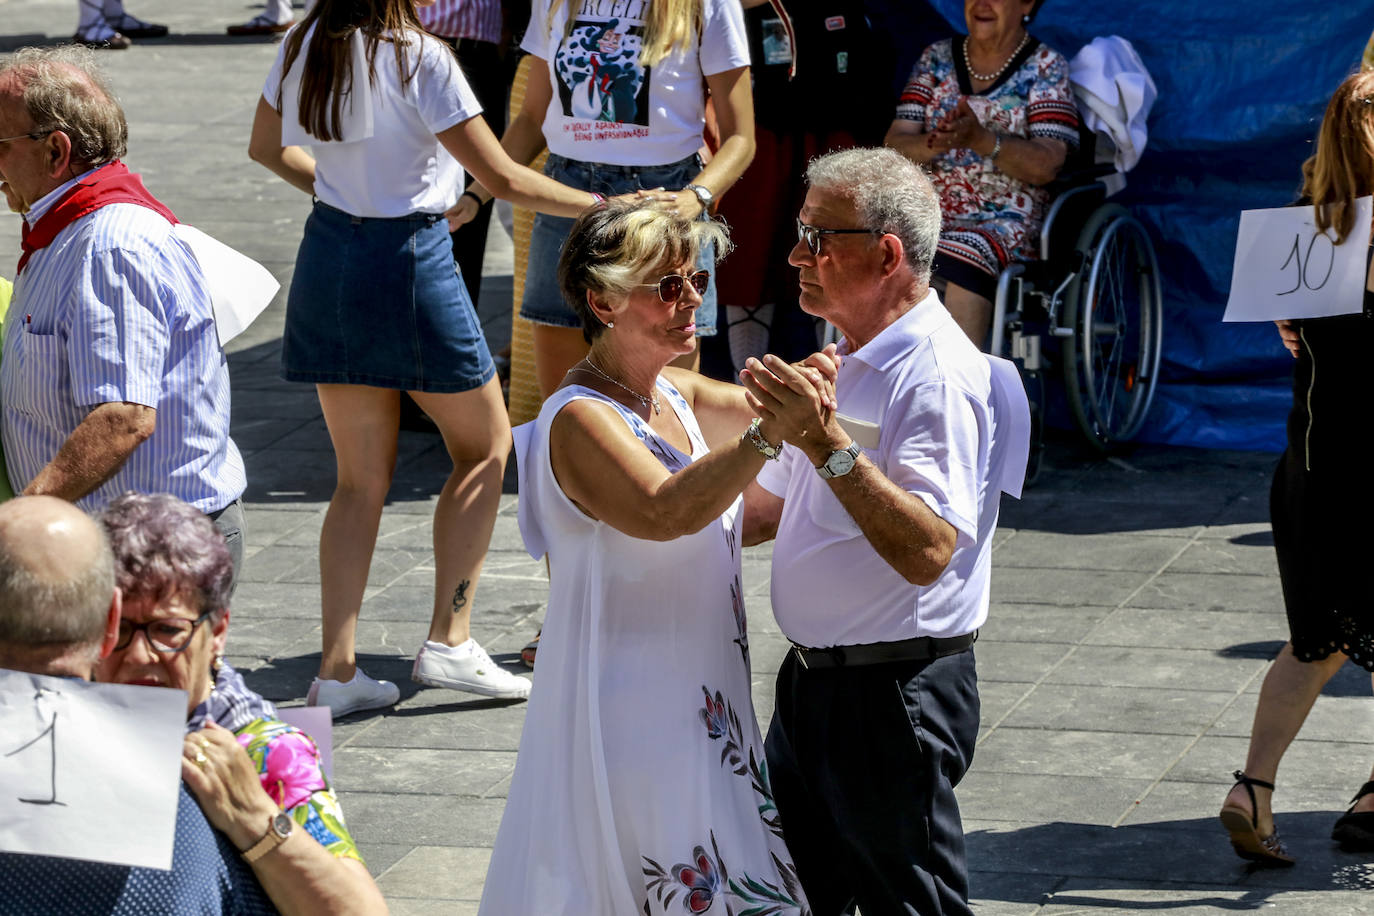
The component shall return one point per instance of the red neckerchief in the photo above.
(109, 184)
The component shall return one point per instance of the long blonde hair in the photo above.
(670, 24)
(1342, 168)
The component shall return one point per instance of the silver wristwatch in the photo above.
(703, 194)
(755, 438)
(840, 462)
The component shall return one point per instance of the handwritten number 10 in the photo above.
(1303, 262)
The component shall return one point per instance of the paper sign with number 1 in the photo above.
(1286, 268)
(89, 771)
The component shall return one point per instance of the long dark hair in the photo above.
(328, 69)
(1342, 168)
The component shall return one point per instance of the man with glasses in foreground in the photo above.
(113, 374)
(59, 615)
(884, 522)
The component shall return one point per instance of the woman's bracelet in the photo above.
(996, 147)
(467, 193)
(597, 199)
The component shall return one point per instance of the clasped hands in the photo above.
(956, 129)
(796, 403)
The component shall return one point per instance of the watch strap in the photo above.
(273, 838)
(852, 450)
(703, 194)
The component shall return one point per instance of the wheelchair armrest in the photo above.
(1074, 178)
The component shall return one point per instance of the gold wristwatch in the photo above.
(278, 829)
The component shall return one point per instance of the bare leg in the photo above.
(556, 350)
(1286, 697)
(363, 424)
(971, 312)
(477, 435)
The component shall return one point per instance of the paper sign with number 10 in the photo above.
(1286, 268)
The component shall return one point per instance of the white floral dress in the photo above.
(641, 784)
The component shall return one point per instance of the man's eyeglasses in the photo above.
(811, 235)
(670, 287)
(169, 635)
(31, 135)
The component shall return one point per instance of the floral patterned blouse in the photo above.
(1032, 99)
(289, 766)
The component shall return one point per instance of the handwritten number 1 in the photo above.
(51, 733)
(1295, 253)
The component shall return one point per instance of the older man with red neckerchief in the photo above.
(116, 379)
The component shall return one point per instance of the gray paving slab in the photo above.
(1135, 602)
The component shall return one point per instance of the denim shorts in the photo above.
(380, 302)
(543, 302)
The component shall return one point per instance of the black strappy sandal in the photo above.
(1244, 828)
(1355, 829)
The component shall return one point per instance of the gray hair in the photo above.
(164, 547)
(64, 90)
(612, 246)
(891, 195)
(40, 609)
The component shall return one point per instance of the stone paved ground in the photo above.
(1135, 601)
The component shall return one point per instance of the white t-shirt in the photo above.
(398, 167)
(927, 388)
(606, 106)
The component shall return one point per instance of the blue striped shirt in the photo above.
(116, 309)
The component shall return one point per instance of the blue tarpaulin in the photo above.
(1242, 87)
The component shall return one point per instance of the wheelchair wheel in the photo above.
(1114, 309)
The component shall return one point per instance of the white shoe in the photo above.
(345, 697)
(466, 667)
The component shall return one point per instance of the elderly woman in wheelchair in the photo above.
(992, 117)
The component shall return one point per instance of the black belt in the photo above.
(920, 649)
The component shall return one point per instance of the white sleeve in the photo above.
(273, 81)
(724, 42)
(773, 476)
(444, 96)
(538, 40)
(935, 454)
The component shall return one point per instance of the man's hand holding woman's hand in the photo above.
(796, 403)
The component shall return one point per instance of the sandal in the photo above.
(1244, 828)
(1355, 829)
(527, 654)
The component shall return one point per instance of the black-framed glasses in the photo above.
(670, 287)
(169, 635)
(31, 135)
(811, 235)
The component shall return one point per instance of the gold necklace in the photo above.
(651, 401)
(993, 77)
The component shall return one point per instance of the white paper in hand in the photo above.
(240, 288)
(89, 771)
(1285, 268)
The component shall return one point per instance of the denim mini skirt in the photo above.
(543, 301)
(380, 302)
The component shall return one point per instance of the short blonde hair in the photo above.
(613, 246)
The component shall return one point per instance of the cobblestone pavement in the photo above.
(1135, 600)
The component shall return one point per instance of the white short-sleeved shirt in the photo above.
(608, 107)
(928, 390)
(401, 168)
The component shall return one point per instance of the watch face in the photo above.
(839, 463)
(282, 824)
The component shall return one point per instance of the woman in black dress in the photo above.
(1321, 502)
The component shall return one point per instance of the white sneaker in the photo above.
(345, 697)
(466, 667)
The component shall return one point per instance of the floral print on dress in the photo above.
(1034, 100)
(288, 764)
(705, 879)
(721, 721)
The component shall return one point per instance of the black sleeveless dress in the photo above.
(1322, 501)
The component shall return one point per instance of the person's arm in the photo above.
(762, 512)
(905, 532)
(523, 140)
(734, 104)
(95, 451)
(301, 877)
(911, 140)
(291, 163)
(606, 470)
(474, 146)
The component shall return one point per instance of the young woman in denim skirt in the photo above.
(618, 93)
(377, 307)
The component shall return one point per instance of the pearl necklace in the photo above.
(651, 401)
(993, 77)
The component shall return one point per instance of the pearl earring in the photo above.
(1025, 20)
(610, 324)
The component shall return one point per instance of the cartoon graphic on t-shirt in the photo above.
(599, 75)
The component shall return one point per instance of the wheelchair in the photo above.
(1096, 288)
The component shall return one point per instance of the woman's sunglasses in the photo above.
(670, 287)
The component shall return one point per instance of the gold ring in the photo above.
(203, 743)
(201, 760)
